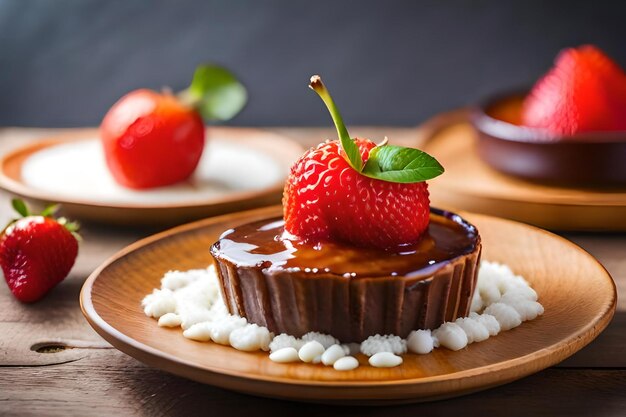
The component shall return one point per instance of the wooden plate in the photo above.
(577, 292)
(469, 184)
(242, 168)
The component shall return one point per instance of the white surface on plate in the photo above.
(78, 171)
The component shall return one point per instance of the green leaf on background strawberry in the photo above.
(215, 93)
(385, 162)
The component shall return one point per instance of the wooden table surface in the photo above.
(53, 363)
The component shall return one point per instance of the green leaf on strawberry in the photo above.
(400, 164)
(215, 93)
(50, 210)
(386, 162)
(20, 207)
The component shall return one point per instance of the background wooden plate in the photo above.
(578, 294)
(147, 210)
(469, 184)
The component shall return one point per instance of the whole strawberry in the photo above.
(585, 91)
(37, 252)
(358, 192)
(325, 198)
(153, 139)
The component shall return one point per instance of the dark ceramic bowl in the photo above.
(589, 159)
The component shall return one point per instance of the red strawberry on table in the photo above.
(37, 252)
(585, 91)
(155, 139)
(358, 192)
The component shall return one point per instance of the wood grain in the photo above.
(469, 184)
(577, 293)
(106, 381)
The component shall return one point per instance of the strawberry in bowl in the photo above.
(585, 91)
(573, 117)
(358, 250)
(154, 139)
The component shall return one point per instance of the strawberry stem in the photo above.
(348, 145)
(318, 86)
(188, 99)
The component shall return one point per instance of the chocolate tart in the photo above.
(584, 159)
(346, 291)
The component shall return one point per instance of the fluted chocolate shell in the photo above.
(350, 293)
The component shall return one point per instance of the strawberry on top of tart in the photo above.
(358, 251)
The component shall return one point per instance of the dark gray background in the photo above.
(64, 62)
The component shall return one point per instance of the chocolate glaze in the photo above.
(349, 292)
